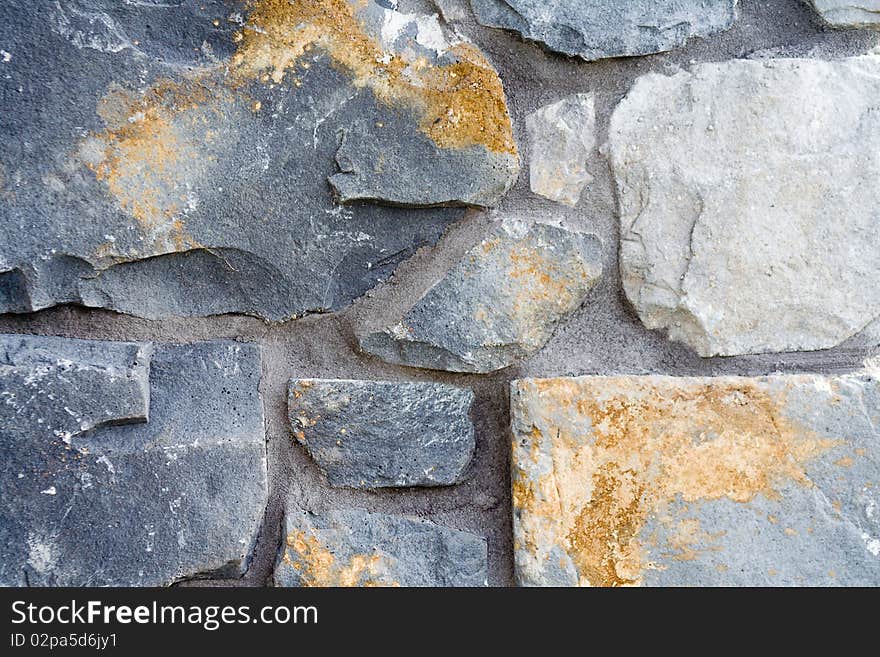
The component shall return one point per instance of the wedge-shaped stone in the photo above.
(697, 481)
(499, 303)
(161, 159)
(374, 434)
(356, 548)
(849, 13)
(128, 464)
(596, 29)
(562, 136)
(749, 203)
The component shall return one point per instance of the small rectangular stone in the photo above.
(377, 434)
(654, 480)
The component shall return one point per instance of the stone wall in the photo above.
(635, 241)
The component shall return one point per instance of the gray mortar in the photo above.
(603, 337)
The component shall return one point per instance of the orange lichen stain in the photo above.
(318, 566)
(544, 285)
(687, 536)
(845, 462)
(153, 142)
(614, 452)
(790, 531)
(459, 104)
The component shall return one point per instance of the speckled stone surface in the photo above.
(766, 481)
(189, 158)
(128, 464)
(498, 304)
(356, 548)
(381, 434)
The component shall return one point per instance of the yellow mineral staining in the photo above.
(318, 566)
(543, 281)
(154, 142)
(460, 104)
(600, 457)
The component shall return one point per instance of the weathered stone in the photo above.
(374, 434)
(128, 464)
(499, 303)
(697, 481)
(849, 13)
(174, 158)
(561, 139)
(596, 29)
(749, 204)
(356, 548)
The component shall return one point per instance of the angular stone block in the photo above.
(562, 137)
(498, 304)
(128, 464)
(849, 13)
(749, 203)
(666, 481)
(596, 29)
(182, 158)
(356, 548)
(374, 434)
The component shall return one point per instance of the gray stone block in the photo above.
(128, 464)
(181, 158)
(356, 548)
(375, 434)
(596, 29)
(498, 304)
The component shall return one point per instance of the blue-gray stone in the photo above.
(596, 29)
(156, 162)
(128, 464)
(375, 434)
(498, 304)
(849, 13)
(356, 548)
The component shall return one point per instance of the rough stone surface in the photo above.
(499, 303)
(356, 548)
(849, 13)
(596, 29)
(375, 434)
(128, 464)
(182, 158)
(749, 204)
(697, 481)
(561, 139)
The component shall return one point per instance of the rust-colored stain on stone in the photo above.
(596, 458)
(460, 104)
(153, 142)
(319, 567)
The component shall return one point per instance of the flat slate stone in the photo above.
(596, 29)
(749, 203)
(356, 548)
(849, 13)
(128, 464)
(727, 481)
(182, 158)
(376, 434)
(562, 137)
(498, 304)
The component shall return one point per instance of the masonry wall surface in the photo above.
(603, 337)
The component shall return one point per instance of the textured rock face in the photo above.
(374, 434)
(498, 304)
(182, 158)
(750, 210)
(697, 481)
(356, 548)
(561, 139)
(595, 29)
(127, 464)
(849, 13)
